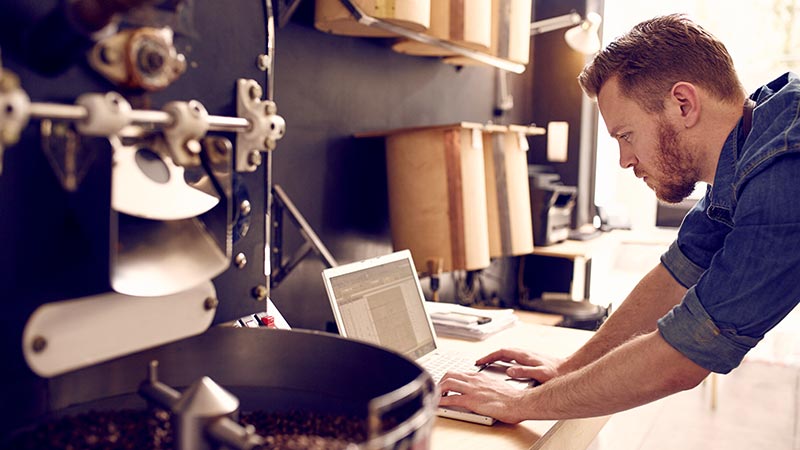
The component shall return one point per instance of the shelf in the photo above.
(482, 57)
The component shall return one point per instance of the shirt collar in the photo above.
(721, 198)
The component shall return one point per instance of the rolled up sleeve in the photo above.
(689, 329)
(681, 267)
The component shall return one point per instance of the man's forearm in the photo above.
(623, 379)
(652, 297)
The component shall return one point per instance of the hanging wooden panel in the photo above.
(466, 23)
(331, 16)
(511, 36)
(437, 195)
(507, 189)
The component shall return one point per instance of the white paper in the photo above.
(557, 138)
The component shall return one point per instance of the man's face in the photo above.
(649, 144)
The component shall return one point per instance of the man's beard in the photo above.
(679, 173)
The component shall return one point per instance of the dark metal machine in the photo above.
(135, 190)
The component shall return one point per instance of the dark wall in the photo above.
(556, 96)
(328, 88)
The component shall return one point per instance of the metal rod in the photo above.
(485, 58)
(58, 111)
(142, 116)
(307, 232)
(554, 23)
(223, 123)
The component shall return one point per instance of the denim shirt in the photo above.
(738, 249)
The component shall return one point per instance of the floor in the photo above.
(756, 404)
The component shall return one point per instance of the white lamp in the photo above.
(582, 37)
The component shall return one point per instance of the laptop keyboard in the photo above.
(442, 363)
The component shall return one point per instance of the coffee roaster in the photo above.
(134, 196)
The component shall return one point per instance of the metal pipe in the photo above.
(485, 58)
(57, 111)
(554, 23)
(223, 123)
(145, 116)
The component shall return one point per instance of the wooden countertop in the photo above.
(533, 434)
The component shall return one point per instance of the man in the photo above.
(670, 96)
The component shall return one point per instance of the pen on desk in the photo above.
(480, 320)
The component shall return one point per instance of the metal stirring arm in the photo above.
(184, 123)
(203, 410)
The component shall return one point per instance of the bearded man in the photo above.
(669, 95)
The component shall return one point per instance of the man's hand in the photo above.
(530, 365)
(483, 394)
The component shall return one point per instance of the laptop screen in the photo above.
(381, 303)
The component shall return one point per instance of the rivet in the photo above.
(255, 92)
(262, 62)
(254, 158)
(210, 303)
(39, 344)
(240, 260)
(259, 292)
(245, 207)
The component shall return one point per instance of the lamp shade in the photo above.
(585, 37)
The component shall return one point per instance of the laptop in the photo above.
(380, 301)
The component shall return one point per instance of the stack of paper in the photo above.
(464, 322)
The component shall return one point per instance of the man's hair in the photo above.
(656, 54)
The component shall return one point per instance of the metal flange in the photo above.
(266, 126)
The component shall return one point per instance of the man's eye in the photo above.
(626, 137)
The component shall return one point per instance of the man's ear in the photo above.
(685, 100)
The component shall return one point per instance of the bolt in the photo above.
(255, 91)
(262, 62)
(193, 146)
(210, 303)
(270, 108)
(240, 260)
(223, 146)
(254, 158)
(195, 108)
(114, 100)
(259, 292)
(150, 59)
(109, 55)
(269, 144)
(39, 344)
(245, 207)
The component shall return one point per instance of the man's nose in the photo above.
(626, 158)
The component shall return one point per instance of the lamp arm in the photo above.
(554, 23)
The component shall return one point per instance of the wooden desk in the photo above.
(571, 249)
(531, 434)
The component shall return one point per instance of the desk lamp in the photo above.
(582, 37)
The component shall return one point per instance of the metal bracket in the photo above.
(281, 268)
(143, 58)
(365, 19)
(14, 111)
(266, 127)
(190, 124)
